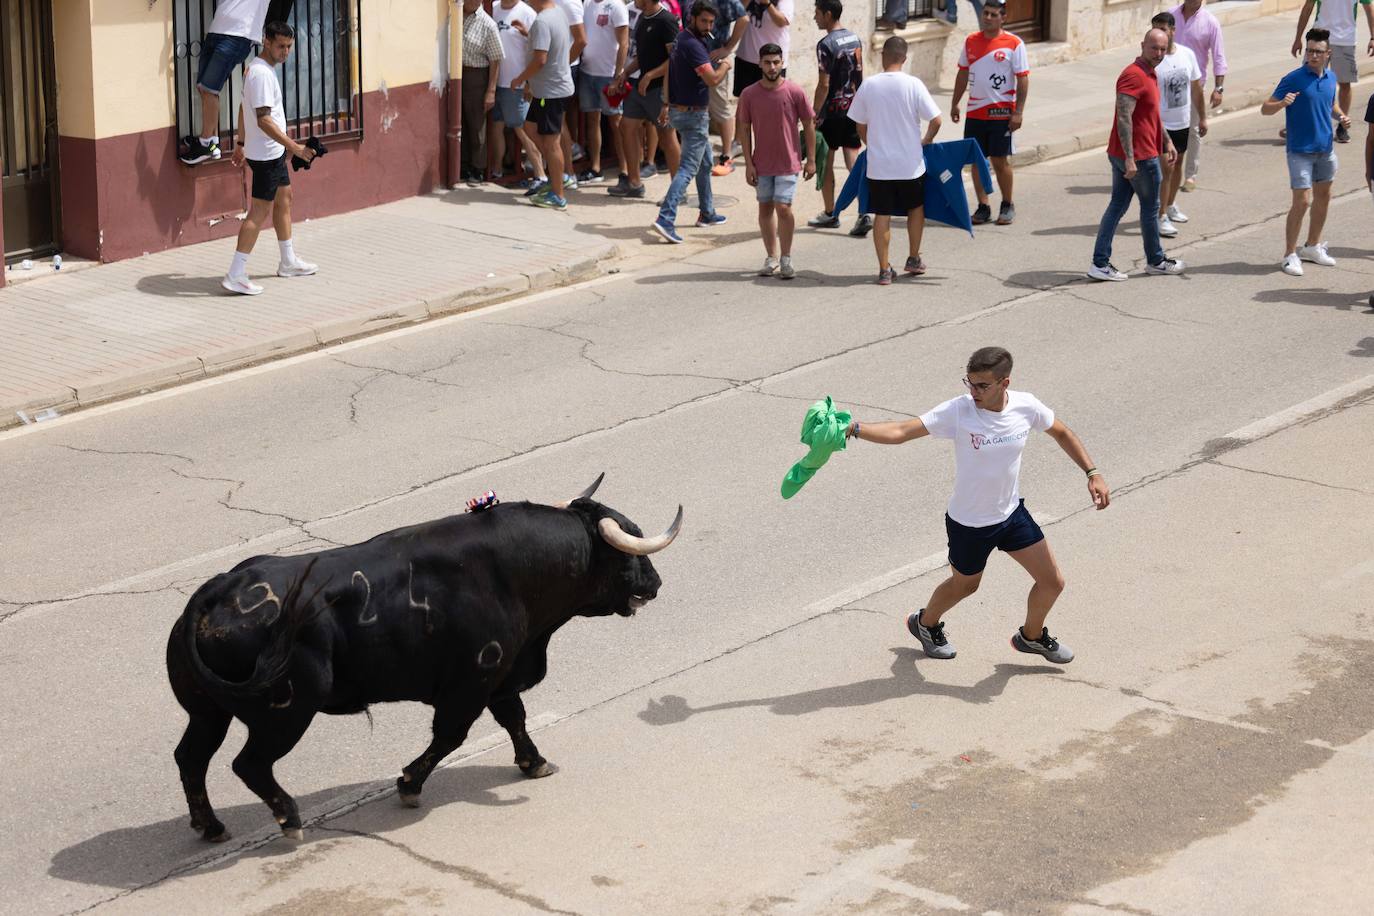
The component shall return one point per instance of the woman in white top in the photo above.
(990, 426)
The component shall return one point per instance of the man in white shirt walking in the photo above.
(990, 426)
(889, 108)
(264, 144)
(235, 29)
(1180, 94)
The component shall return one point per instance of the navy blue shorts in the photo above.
(219, 55)
(969, 548)
(993, 136)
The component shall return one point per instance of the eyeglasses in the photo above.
(979, 387)
(1318, 51)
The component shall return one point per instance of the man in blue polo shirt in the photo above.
(1307, 98)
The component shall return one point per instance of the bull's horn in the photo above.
(585, 494)
(614, 535)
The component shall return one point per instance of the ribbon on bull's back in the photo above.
(823, 431)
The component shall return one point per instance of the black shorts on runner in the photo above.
(747, 74)
(969, 548)
(994, 137)
(268, 176)
(840, 131)
(547, 115)
(1180, 138)
(896, 197)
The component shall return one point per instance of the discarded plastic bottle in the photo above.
(57, 262)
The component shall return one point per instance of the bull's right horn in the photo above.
(614, 535)
(585, 494)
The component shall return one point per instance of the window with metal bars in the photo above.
(320, 81)
(915, 9)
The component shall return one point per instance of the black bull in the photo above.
(456, 613)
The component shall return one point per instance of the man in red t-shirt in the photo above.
(1138, 140)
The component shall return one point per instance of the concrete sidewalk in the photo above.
(83, 336)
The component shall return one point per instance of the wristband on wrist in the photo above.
(1093, 472)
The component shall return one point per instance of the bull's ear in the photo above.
(613, 534)
(585, 494)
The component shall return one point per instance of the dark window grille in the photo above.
(320, 81)
(28, 128)
(915, 9)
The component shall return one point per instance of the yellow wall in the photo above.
(404, 42)
(71, 20)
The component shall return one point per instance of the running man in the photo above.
(235, 29)
(1307, 98)
(770, 112)
(265, 145)
(1180, 93)
(1338, 18)
(990, 426)
(840, 61)
(994, 68)
(548, 85)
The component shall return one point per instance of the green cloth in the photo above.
(822, 159)
(823, 430)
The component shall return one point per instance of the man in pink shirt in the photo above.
(1200, 32)
(769, 112)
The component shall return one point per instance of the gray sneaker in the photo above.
(1046, 645)
(932, 638)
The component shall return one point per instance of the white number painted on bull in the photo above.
(417, 605)
(269, 598)
(364, 619)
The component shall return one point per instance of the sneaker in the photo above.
(1292, 266)
(932, 638)
(736, 149)
(241, 285)
(198, 151)
(629, 190)
(1342, 134)
(549, 200)
(982, 214)
(539, 187)
(1176, 215)
(1167, 228)
(707, 220)
(1190, 185)
(569, 182)
(474, 178)
(621, 184)
(886, 275)
(578, 152)
(1166, 267)
(770, 267)
(915, 266)
(1046, 645)
(647, 170)
(722, 167)
(297, 268)
(526, 184)
(862, 226)
(785, 269)
(1105, 273)
(668, 231)
(1005, 214)
(590, 176)
(1316, 254)
(824, 220)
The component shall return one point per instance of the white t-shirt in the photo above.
(1337, 17)
(573, 10)
(243, 18)
(763, 30)
(1176, 74)
(987, 453)
(515, 46)
(261, 90)
(893, 105)
(602, 18)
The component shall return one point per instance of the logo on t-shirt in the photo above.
(602, 19)
(1000, 56)
(980, 440)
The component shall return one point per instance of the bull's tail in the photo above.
(274, 661)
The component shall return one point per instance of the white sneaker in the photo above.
(1176, 215)
(1316, 254)
(1167, 228)
(297, 269)
(770, 267)
(241, 285)
(785, 270)
(1105, 273)
(1167, 267)
(1292, 266)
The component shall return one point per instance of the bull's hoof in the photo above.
(409, 799)
(293, 833)
(211, 836)
(539, 772)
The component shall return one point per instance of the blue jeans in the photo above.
(1144, 185)
(694, 127)
(952, 10)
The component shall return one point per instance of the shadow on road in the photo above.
(1322, 298)
(905, 680)
(180, 286)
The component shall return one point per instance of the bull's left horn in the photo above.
(585, 494)
(614, 535)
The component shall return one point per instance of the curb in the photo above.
(303, 340)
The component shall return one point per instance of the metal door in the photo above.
(28, 129)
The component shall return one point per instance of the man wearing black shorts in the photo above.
(990, 426)
(265, 146)
(548, 86)
(889, 108)
(1180, 95)
(994, 69)
(840, 61)
(642, 77)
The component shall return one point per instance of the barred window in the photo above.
(320, 81)
(915, 9)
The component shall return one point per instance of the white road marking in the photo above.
(1298, 412)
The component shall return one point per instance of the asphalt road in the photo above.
(765, 737)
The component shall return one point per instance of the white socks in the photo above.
(239, 266)
(210, 140)
(288, 254)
